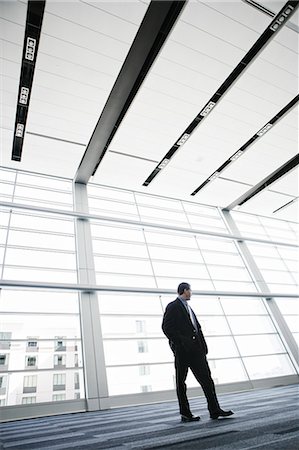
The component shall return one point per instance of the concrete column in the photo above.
(92, 341)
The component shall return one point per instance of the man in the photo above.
(188, 344)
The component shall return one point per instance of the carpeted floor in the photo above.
(264, 419)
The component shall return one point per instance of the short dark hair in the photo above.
(182, 287)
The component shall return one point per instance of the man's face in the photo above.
(187, 293)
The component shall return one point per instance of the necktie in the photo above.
(192, 317)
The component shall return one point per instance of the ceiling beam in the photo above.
(153, 31)
(281, 171)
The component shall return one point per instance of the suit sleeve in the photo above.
(169, 326)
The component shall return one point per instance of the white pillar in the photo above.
(92, 341)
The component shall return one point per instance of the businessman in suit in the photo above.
(188, 344)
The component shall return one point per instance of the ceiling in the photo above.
(82, 49)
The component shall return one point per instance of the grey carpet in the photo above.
(264, 419)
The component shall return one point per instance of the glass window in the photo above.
(175, 254)
(228, 370)
(180, 269)
(44, 223)
(268, 366)
(58, 397)
(221, 347)
(118, 248)
(31, 361)
(259, 345)
(243, 305)
(30, 380)
(28, 400)
(251, 325)
(59, 379)
(123, 265)
(3, 359)
(34, 258)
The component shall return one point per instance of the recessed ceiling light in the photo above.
(183, 139)
(207, 109)
(264, 129)
(30, 49)
(19, 130)
(282, 17)
(236, 155)
(24, 96)
(163, 163)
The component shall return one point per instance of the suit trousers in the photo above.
(198, 364)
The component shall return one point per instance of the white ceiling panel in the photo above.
(220, 192)
(64, 160)
(265, 202)
(11, 32)
(290, 212)
(131, 171)
(130, 11)
(10, 51)
(258, 162)
(206, 17)
(242, 13)
(274, 75)
(93, 18)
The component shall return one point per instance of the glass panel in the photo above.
(288, 305)
(114, 232)
(49, 182)
(33, 274)
(35, 321)
(37, 222)
(118, 352)
(125, 280)
(122, 265)
(182, 269)
(118, 248)
(129, 304)
(176, 240)
(161, 215)
(243, 305)
(221, 347)
(41, 240)
(36, 258)
(209, 305)
(213, 325)
(251, 325)
(268, 366)
(39, 301)
(122, 327)
(227, 370)
(259, 345)
(128, 380)
(196, 283)
(175, 254)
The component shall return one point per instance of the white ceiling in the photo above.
(82, 48)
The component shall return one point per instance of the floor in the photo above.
(264, 419)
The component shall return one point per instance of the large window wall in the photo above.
(139, 242)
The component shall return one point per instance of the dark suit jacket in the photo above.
(177, 326)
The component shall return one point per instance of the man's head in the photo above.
(184, 290)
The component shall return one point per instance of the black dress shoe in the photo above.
(190, 418)
(221, 413)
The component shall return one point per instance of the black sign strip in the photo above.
(34, 19)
